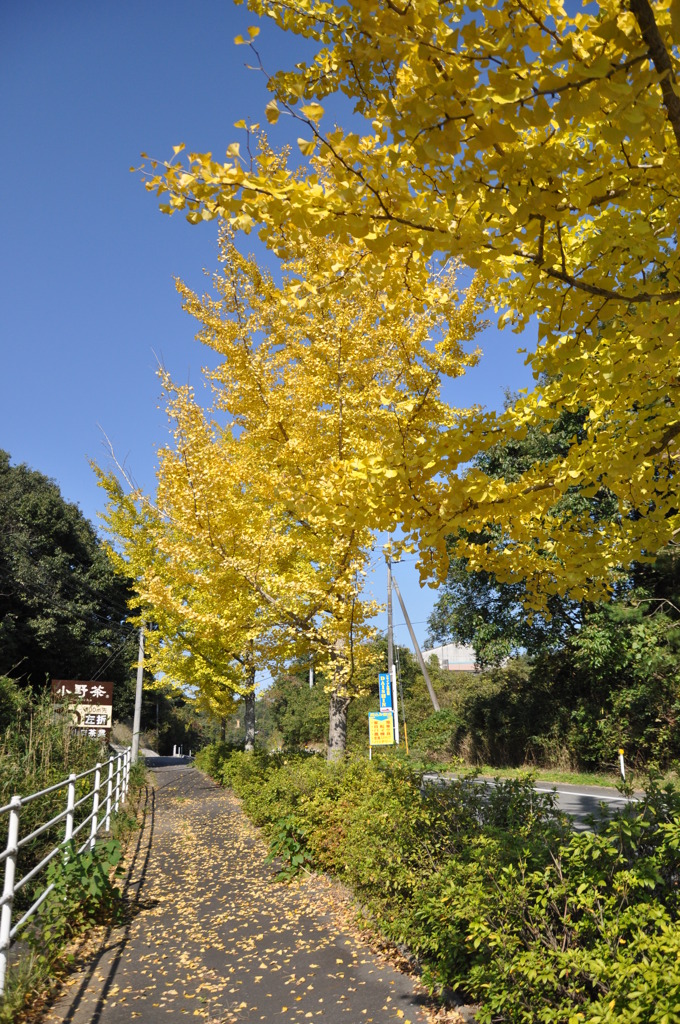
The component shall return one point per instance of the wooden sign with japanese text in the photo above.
(90, 704)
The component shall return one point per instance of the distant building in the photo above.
(453, 657)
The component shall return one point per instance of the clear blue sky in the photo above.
(88, 262)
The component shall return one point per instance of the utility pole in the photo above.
(397, 669)
(311, 672)
(419, 653)
(136, 722)
(390, 626)
(390, 650)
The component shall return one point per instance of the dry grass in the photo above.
(121, 734)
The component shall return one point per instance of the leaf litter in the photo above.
(213, 937)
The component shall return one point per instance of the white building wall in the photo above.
(454, 657)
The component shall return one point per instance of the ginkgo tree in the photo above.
(180, 584)
(231, 586)
(539, 143)
(254, 549)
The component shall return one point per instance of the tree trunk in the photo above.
(250, 721)
(337, 731)
(223, 728)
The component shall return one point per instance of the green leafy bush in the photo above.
(489, 887)
(435, 736)
(287, 844)
(210, 758)
(84, 893)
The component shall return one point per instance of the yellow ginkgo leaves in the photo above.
(255, 547)
(538, 144)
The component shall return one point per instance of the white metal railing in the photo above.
(110, 778)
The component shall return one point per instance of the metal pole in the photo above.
(390, 626)
(390, 650)
(419, 653)
(8, 890)
(109, 795)
(119, 766)
(395, 705)
(127, 760)
(94, 824)
(138, 697)
(70, 803)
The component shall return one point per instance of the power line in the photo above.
(112, 657)
(83, 615)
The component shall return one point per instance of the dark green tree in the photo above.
(63, 610)
(598, 676)
(622, 670)
(299, 712)
(474, 607)
(476, 610)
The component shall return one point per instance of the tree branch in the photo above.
(659, 56)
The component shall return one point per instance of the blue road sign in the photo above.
(385, 691)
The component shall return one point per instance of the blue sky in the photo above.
(88, 262)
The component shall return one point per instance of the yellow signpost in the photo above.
(380, 728)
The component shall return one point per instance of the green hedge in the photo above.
(491, 889)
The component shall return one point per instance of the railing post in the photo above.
(119, 762)
(70, 804)
(95, 804)
(126, 774)
(8, 889)
(109, 793)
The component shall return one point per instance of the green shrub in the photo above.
(570, 941)
(84, 893)
(489, 887)
(210, 758)
(288, 845)
(435, 736)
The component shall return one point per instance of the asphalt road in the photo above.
(579, 802)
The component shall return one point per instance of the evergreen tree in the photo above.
(63, 610)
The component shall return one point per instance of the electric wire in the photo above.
(82, 615)
(112, 657)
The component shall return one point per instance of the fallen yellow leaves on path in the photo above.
(211, 936)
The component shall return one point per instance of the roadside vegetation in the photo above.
(502, 719)
(490, 891)
(37, 750)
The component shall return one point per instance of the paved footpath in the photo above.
(212, 936)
